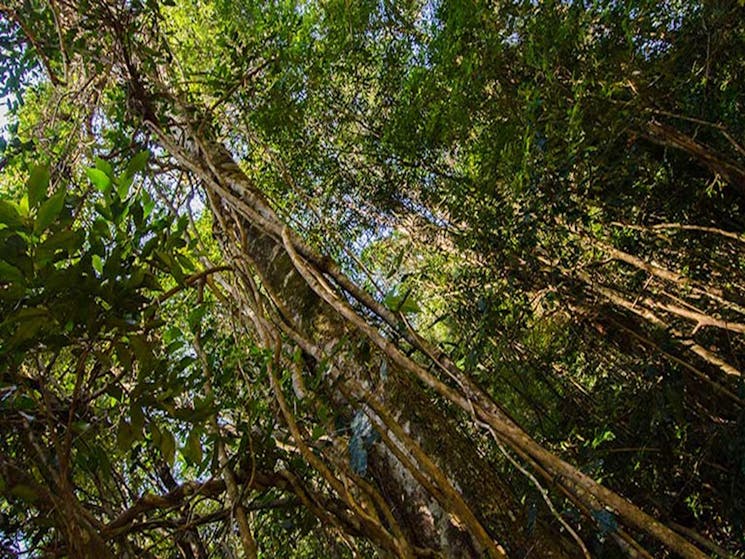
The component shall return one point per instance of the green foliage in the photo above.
(78, 277)
(467, 164)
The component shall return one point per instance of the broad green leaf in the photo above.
(142, 351)
(185, 262)
(24, 402)
(138, 418)
(26, 313)
(99, 179)
(9, 273)
(124, 354)
(115, 392)
(391, 300)
(37, 184)
(102, 228)
(155, 434)
(400, 303)
(192, 451)
(409, 305)
(28, 329)
(172, 264)
(138, 163)
(23, 206)
(168, 446)
(65, 239)
(196, 315)
(148, 204)
(30, 322)
(9, 214)
(125, 436)
(97, 263)
(104, 211)
(125, 181)
(105, 166)
(48, 212)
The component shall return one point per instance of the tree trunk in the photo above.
(426, 522)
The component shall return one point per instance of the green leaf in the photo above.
(99, 179)
(125, 181)
(192, 451)
(142, 351)
(9, 273)
(155, 434)
(26, 313)
(125, 435)
(105, 213)
(196, 316)
(600, 438)
(37, 184)
(28, 329)
(138, 418)
(168, 446)
(391, 300)
(148, 204)
(105, 166)
(48, 212)
(23, 206)
(185, 262)
(97, 263)
(138, 163)
(400, 303)
(151, 282)
(409, 305)
(30, 322)
(9, 214)
(66, 239)
(174, 267)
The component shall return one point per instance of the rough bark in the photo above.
(668, 136)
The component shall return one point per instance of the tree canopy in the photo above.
(385, 278)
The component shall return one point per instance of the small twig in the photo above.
(682, 227)
(191, 280)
